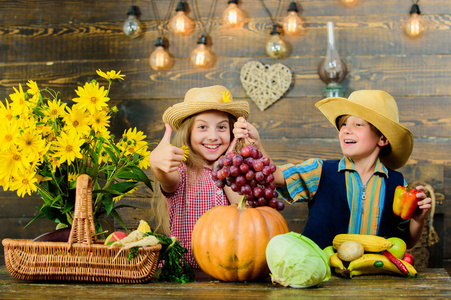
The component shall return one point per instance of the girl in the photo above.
(203, 123)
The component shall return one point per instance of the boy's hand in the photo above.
(424, 204)
(165, 157)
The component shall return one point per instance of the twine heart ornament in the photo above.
(265, 84)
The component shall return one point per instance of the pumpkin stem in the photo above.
(242, 203)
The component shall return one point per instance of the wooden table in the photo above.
(432, 283)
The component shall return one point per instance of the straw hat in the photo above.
(198, 100)
(380, 109)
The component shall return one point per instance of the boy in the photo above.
(354, 194)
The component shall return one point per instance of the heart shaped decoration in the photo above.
(265, 84)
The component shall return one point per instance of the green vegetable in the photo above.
(295, 260)
(174, 268)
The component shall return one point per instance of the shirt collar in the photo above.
(346, 164)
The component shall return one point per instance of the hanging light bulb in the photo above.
(132, 27)
(349, 2)
(292, 24)
(160, 59)
(180, 23)
(233, 16)
(332, 69)
(415, 25)
(276, 47)
(201, 56)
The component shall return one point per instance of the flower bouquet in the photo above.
(45, 144)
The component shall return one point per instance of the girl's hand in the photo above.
(243, 129)
(165, 157)
(424, 204)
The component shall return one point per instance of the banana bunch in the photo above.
(375, 260)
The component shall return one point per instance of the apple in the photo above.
(408, 258)
(399, 248)
(115, 236)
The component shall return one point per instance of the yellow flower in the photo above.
(18, 104)
(45, 144)
(34, 91)
(24, 182)
(40, 178)
(99, 121)
(226, 97)
(31, 144)
(132, 141)
(55, 163)
(77, 120)
(4, 182)
(114, 109)
(8, 135)
(91, 97)
(5, 111)
(185, 152)
(118, 198)
(67, 147)
(72, 177)
(103, 157)
(55, 108)
(12, 161)
(33, 88)
(110, 74)
(144, 162)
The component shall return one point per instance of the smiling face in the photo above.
(359, 139)
(210, 135)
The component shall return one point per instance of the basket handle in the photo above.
(83, 228)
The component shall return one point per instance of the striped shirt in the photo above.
(188, 203)
(366, 201)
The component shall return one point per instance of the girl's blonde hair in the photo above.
(194, 165)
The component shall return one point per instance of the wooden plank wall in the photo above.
(61, 43)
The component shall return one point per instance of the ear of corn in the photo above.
(144, 227)
(370, 243)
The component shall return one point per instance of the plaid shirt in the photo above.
(189, 202)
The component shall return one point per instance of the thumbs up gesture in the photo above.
(165, 157)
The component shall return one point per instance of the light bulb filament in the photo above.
(200, 58)
(232, 18)
(415, 26)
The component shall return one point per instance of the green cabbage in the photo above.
(295, 260)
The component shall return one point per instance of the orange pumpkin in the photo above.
(229, 243)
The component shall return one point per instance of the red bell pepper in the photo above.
(405, 202)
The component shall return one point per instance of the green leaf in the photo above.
(123, 187)
(52, 214)
(118, 218)
(127, 175)
(111, 154)
(110, 192)
(125, 206)
(142, 176)
(38, 216)
(68, 207)
(107, 201)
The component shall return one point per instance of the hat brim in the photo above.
(176, 114)
(399, 137)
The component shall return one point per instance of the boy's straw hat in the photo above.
(198, 100)
(380, 109)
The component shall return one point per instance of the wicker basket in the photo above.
(82, 258)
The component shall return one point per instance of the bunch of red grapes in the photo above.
(249, 173)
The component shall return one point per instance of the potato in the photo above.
(350, 250)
